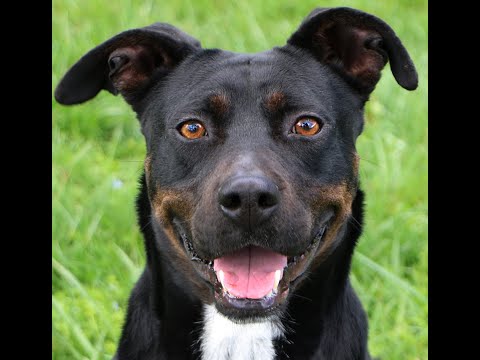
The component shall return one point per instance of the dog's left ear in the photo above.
(357, 45)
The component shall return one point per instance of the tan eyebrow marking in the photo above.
(275, 101)
(219, 103)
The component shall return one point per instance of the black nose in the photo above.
(248, 200)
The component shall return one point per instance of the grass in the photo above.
(97, 153)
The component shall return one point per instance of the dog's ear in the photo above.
(357, 45)
(125, 63)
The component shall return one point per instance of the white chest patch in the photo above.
(222, 339)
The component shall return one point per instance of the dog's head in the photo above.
(251, 165)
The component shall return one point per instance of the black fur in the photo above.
(249, 105)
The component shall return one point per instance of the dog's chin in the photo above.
(253, 295)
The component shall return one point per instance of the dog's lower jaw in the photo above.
(223, 339)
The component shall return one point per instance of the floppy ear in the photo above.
(125, 63)
(357, 45)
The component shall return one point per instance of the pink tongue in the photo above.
(250, 272)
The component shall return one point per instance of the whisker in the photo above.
(145, 226)
(355, 223)
(301, 297)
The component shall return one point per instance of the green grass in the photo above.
(97, 153)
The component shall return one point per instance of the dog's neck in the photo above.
(223, 339)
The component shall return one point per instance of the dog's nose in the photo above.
(248, 200)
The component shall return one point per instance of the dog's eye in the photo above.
(192, 129)
(307, 126)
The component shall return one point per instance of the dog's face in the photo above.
(252, 169)
(251, 166)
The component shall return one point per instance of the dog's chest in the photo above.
(223, 339)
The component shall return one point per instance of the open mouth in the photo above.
(253, 281)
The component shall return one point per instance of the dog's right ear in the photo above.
(126, 63)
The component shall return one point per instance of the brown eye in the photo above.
(307, 126)
(192, 129)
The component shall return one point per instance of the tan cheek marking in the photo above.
(341, 197)
(219, 103)
(164, 203)
(275, 101)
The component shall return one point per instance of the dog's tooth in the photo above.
(220, 276)
(278, 277)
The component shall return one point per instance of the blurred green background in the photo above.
(98, 151)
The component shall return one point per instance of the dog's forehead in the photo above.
(230, 70)
(271, 76)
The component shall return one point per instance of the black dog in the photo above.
(249, 203)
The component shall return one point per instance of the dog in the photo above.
(249, 203)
